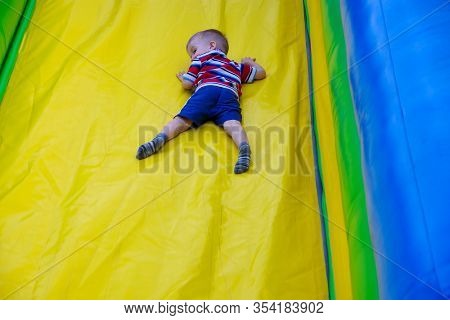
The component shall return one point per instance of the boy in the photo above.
(217, 81)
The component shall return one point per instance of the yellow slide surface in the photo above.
(81, 218)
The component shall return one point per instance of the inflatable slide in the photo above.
(345, 198)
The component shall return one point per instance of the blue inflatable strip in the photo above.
(399, 58)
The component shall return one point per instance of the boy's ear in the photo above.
(212, 45)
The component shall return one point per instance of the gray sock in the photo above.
(243, 162)
(151, 147)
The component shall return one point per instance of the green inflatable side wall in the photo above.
(362, 270)
(15, 16)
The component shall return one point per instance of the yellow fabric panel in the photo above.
(81, 218)
(330, 171)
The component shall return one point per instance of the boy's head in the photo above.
(205, 41)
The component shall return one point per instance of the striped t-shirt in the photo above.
(214, 68)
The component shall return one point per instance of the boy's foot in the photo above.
(151, 147)
(243, 162)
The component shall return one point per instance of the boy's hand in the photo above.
(260, 72)
(184, 83)
(248, 60)
(180, 75)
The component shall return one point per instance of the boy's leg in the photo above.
(172, 129)
(176, 126)
(237, 133)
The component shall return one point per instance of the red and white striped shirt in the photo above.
(214, 68)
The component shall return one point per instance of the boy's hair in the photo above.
(214, 35)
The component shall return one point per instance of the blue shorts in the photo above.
(212, 103)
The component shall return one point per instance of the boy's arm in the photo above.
(260, 72)
(186, 84)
